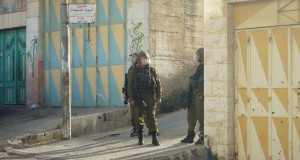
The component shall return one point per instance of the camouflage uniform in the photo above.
(144, 83)
(196, 109)
(132, 58)
(132, 108)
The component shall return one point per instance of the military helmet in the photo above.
(200, 52)
(145, 55)
(135, 54)
(133, 57)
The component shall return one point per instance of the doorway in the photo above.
(13, 66)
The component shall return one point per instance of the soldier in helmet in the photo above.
(145, 92)
(132, 58)
(195, 110)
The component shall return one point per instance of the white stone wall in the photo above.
(17, 17)
(12, 20)
(176, 32)
(219, 77)
(138, 26)
(34, 73)
(33, 22)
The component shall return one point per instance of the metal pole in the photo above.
(65, 71)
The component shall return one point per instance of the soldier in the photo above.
(145, 92)
(195, 110)
(132, 58)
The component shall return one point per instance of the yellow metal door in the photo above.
(295, 92)
(258, 94)
(242, 104)
(279, 94)
(267, 93)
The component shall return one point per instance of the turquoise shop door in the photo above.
(14, 56)
(21, 66)
(9, 67)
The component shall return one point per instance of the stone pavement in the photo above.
(112, 141)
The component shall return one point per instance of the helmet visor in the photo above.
(129, 58)
(145, 61)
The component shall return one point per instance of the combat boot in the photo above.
(150, 133)
(154, 139)
(200, 140)
(189, 138)
(133, 132)
(141, 138)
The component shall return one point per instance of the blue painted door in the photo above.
(9, 67)
(14, 57)
(21, 66)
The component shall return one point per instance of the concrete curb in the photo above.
(192, 152)
(81, 125)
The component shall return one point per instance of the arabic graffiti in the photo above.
(31, 54)
(137, 37)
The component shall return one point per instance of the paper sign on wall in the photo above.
(82, 13)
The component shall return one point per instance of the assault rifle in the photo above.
(139, 102)
(124, 90)
(190, 92)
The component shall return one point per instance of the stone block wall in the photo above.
(176, 32)
(219, 43)
(12, 13)
(219, 78)
(171, 31)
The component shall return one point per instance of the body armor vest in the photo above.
(144, 78)
(199, 77)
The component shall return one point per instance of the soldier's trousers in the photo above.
(133, 113)
(150, 113)
(196, 113)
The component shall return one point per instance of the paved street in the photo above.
(116, 144)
